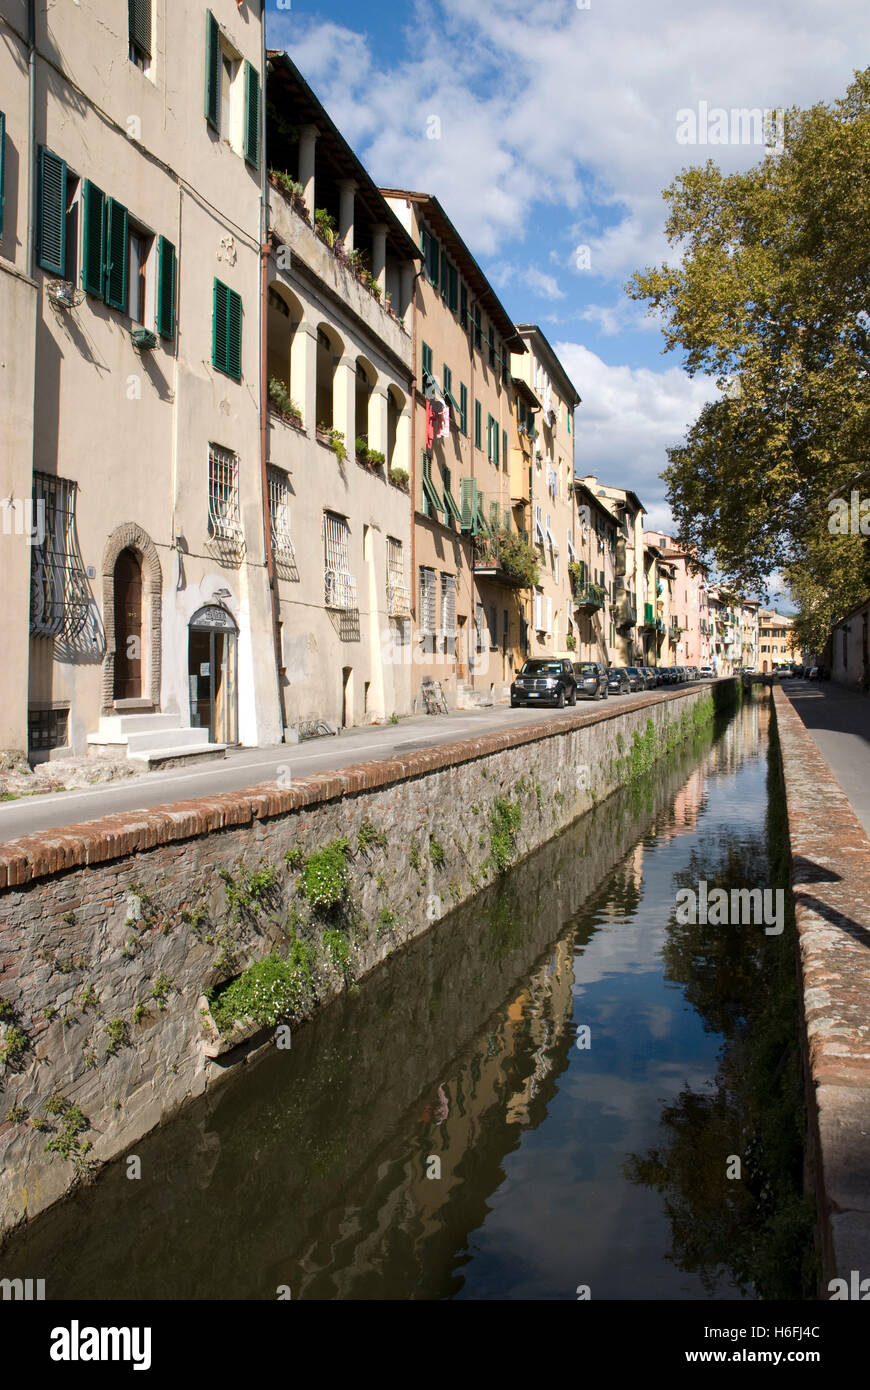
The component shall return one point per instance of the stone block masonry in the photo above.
(830, 856)
(110, 932)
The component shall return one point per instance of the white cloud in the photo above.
(543, 284)
(628, 419)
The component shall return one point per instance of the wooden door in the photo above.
(128, 627)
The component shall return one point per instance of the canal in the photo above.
(544, 1096)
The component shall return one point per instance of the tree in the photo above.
(770, 298)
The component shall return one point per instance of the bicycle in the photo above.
(434, 699)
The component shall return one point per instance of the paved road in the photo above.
(839, 721)
(247, 767)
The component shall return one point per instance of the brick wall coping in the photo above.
(54, 850)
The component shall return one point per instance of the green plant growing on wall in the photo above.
(281, 400)
(88, 999)
(399, 476)
(338, 947)
(414, 857)
(49, 1013)
(67, 1142)
(436, 852)
(394, 718)
(505, 819)
(160, 989)
(118, 1035)
(370, 837)
(326, 225)
(294, 858)
(17, 1114)
(326, 876)
(386, 919)
(69, 918)
(7, 1012)
(268, 992)
(251, 892)
(140, 1011)
(13, 1046)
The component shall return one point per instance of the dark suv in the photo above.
(591, 678)
(544, 681)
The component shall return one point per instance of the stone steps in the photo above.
(152, 741)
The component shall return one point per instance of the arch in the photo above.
(285, 313)
(330, 350)
(396, 402)
(129, 536)
(366, 380)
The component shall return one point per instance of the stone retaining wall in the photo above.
(111, 931)
(831, 881)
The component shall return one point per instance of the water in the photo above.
(560, 1167)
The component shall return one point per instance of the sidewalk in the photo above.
(839, 722)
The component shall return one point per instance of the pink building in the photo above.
(689, 621)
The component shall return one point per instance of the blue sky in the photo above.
(556, 130)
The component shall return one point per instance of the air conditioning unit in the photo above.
(62, 294)
(144, 339)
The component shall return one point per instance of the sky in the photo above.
(548, 130)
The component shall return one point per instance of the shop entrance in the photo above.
(212, 668)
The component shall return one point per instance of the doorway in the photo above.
(212, 674)
(346, 697)
(128, 627)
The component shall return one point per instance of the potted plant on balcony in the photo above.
(571, 642)
(517, 558)
(399, 477)
(282, 403)
(327, 434)
(362, 450)
(324, 225)
(292, 190)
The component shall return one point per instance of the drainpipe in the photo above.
(265, 249)
(31, 134)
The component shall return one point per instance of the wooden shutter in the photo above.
(2, 168)
(468, 503)
(116, 254)
(234, 335)
(219, 327)
(140, 24)
(212, 71)
(227, 331)
(51, 218)
(166, 273)
(252, 115)
(93, 238)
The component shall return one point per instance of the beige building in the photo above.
(627, 511)
(339, 364)
(130, 276)
(552, 510)
(467, 599)
(593, 576)
(776, 643)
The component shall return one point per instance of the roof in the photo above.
(286, 81)
(444, 229)
(569, 389)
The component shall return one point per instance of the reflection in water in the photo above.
(442, 1134)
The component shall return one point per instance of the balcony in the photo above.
(340, 591)
(589, 598)
(626, 613)
(505, 558)
(398, 600)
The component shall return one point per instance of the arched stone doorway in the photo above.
(134, 539)
(127, 683)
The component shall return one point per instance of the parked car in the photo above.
(618, 681)
(671, 675)
(636, 680)
(543, 681)
(591, 678)
(706, 673)
(656, 676)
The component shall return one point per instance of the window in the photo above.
(398, 598)
(492, 437)
(139, 25)
(59, 593)
(228, 69)
(463, 409)
(340, 585)
(431, 255)
(166, 275)
(492, 346)
(139, 248)
(463, 307)
(71, 230)
(252, 116)
(504, 450)
(427, 609)
(279, 514)
(432, 503)
(2, 168)
(493, 627)
(427, 359)
(50, 228)
(478, 425)
(47, 728)
(226, 350)
(448, 613)
(445, 277)
(478, 330)
(224, 517)
(447, 382)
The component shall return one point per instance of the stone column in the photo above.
(346, 188)
(303, 373)
(402, 456)
(408, 272)
(379, 256)
(344, 401)
(377, 421)
(307, 142)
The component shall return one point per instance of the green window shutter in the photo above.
(468, 504)
(427, 358)
(504, 449)
(252, 115)
(219, 327)
(447, 383)
(445, 276)
(478, 425)
(116, 254)
(433, 260)
(2, 168)
(454, 289)
(463, 306)
(140, 24)
(212, 71)
(166, 275)
(51, 217)
(495, 455)
(234, 335)
(432, 503)
(93, 238)
(494, 515)
(463, 408)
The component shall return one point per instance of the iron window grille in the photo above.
(448, 613)
(398, 596)
(224, 517)
(339, 583)
(427, 608)
(60, 597)
(279, 515)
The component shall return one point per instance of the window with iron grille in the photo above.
(340, 585)
(448, 613)
(60, 597)
(224, 516)
(427, 608)
(398, 598)
(279, 514)
(47, 728)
